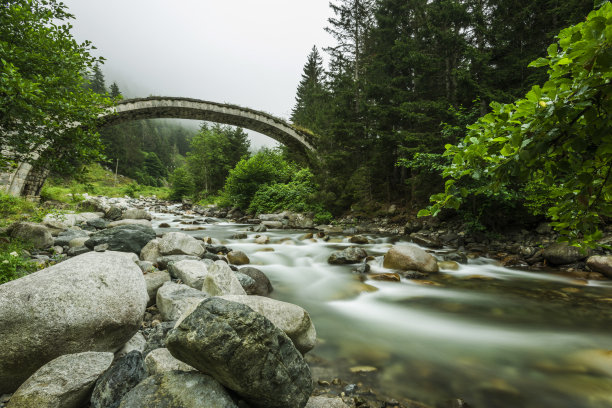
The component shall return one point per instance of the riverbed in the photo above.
(490, 335)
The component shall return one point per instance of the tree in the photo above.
(181, 184)
(115, 93)
(309, 110)
(97, 83)
(214, 152)
(43, 91)
(556, 138)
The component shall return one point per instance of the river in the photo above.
(493, 336)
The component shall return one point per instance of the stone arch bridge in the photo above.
(27, 180)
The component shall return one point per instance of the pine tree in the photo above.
(310, 97)
(115, 94)
(97, 81)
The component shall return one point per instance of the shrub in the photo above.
(181, 184)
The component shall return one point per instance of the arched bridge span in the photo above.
(186, 108)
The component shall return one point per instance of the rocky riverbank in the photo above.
(185, 317)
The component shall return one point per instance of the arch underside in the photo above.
(179, 108)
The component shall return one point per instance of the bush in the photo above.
(297, 195)
(264, 168)
(181, 184)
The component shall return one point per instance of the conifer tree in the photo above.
(97, 81)
(310, 95)
(114, 91)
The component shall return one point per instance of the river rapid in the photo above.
(492, 336)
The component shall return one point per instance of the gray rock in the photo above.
(77, 242)
(425, 241)
(190, 272)
(262, 239)
(144, 266)
(300, 221)
(248, 284)
(272, 217)
(219, 336)
(260, 228)
(359, 239)
(156, 337)
(126, 238)
(60, 222)
(238, 258)
(136, 214)
(349, 255)
(154, 280)
(101, 248)
(178, 243)
(408, 257)
(68, 235)
(119, 223)
(262, 287)
(601, 264)
(239, 235)
(64, 382)
(560, 253)
(178, 389)
(160, 361)
(221, 280)
(98, 223)
(291, 319)
(164, 262)
(76, 251)
(113, 213)
(150, 252)
(37, 234)
(325, 402)
(458, 257)
(272, 224)
(125, 374)
(173, 299)
(136, 343)
(93, 302)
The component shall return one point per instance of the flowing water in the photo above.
(494, 336)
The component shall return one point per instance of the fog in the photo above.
(244, 52)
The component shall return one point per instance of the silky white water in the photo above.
(494, 336)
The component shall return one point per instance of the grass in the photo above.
(96, 180)
(14, 263)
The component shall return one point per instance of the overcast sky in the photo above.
(245, 52)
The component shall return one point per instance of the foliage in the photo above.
(296, 195)
(558, 136)
(43, 88)
(264, 168)
(13, 263)
(181, 184)
(214, 151)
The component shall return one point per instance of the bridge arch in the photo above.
(186, 108)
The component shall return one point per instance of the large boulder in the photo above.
(560, 253)
(601, 264)
(125, 374)
(129, 221)
(178, 243)
(262, 286)
(178, 389)
(221, 280)
(174, 298)
(64, 382)
(125, 238)
(410, 258)
(350, 255)
(291, 319)
(301, 221)
(93, 302)
(219, 337)
(37, 234)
